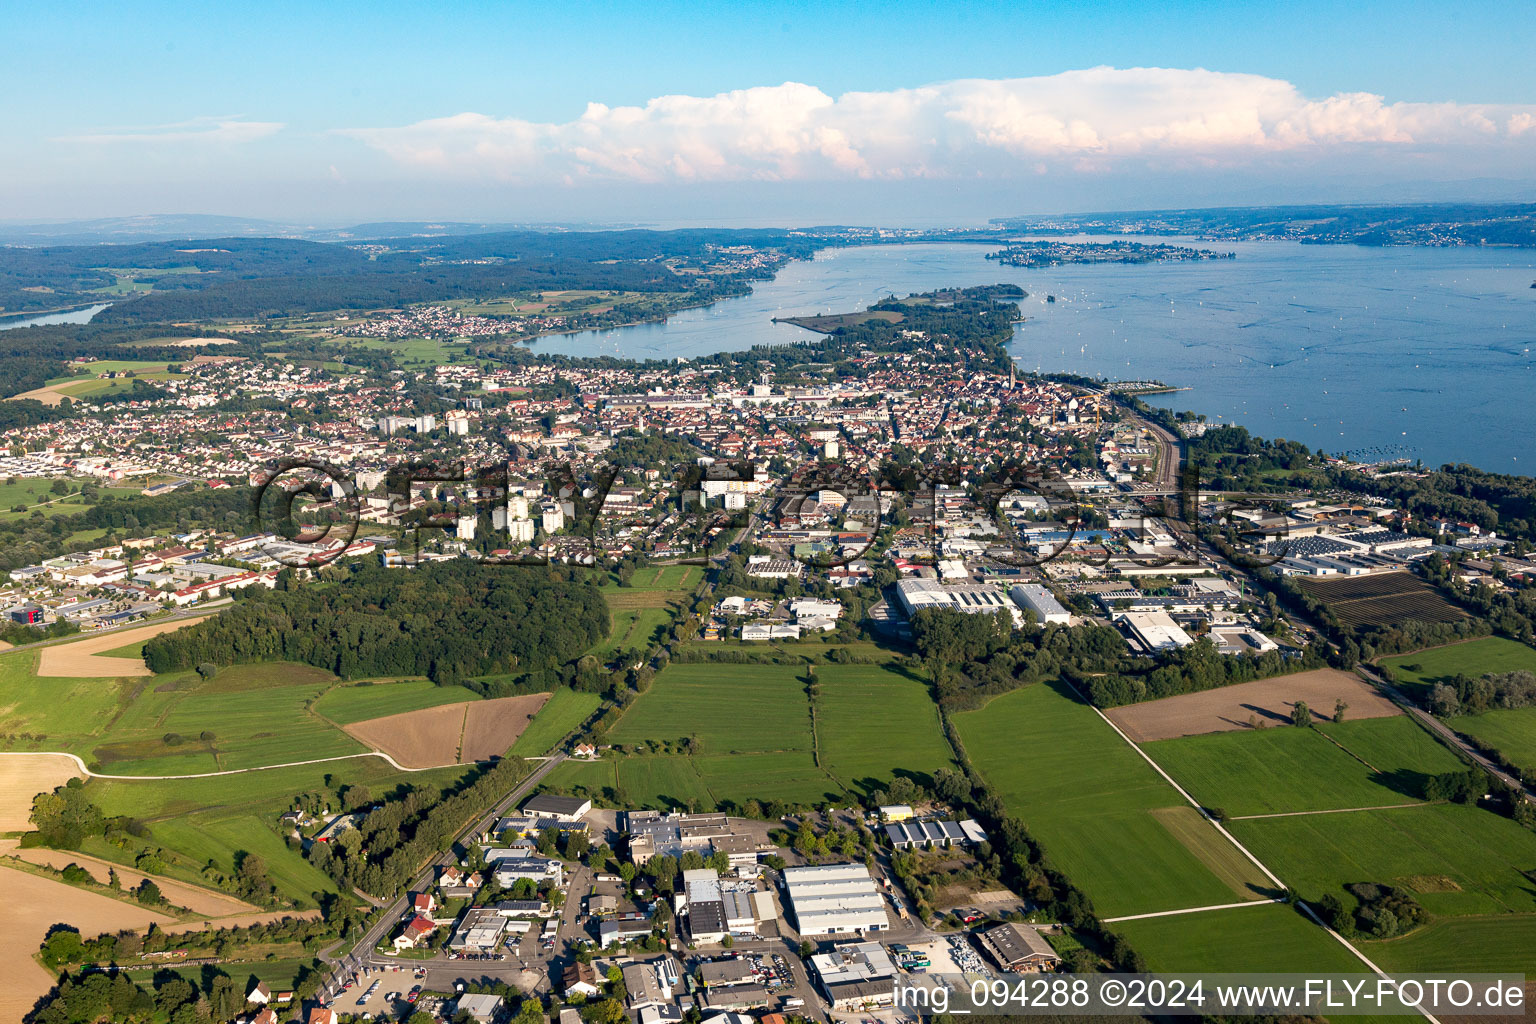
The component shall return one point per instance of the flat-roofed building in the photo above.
(1154, 631)
(856, 975)
(835, 899)
(479, 928)
(561, 808)
(1035, 598)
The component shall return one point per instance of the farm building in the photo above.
(835, 899)
(1016, 947)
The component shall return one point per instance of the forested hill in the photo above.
(1511, 224)
(452, 622)
(253, 277)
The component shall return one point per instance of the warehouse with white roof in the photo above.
(835, 899)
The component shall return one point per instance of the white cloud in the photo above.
(1085, 119)
(224, 130)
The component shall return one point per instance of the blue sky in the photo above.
(350, 111)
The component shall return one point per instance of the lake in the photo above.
(73, 316)
(1417, 352)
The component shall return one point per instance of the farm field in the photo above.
(196, 898)
(873, 722)
(1457, 860)
(450, 733)
(1512, 731)
(1284, 769)
(564, 711)
(83, 659)
(1381, 599)
(22, 777)
(1231, 707)
(359, 702)
(245, 717)
(664, 783)
(728, 708)
(1505, 942)
(33, 906)
(598, 778)
(1087, 796)
(791, 777)
(1417, 673)
(1263, 938)
(37, 709)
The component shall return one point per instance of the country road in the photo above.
(1439, 728)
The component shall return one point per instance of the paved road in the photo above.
(363, 950)
(1369, 673)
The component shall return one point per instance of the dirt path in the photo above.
(1330, 810)
(34, 905)
(81, 659)
(196, 898)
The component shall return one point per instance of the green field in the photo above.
(1457, 860)
(1417, 673)
(563, 712)
(201, 820)
(790, 777)
(633, 629)
(874, 722)
(664, 782)
(415, 351)
(1506, 942)
(68, 714)
(1511, 731)
(1268, 937)
(594, 778)
(360, 702)
(255, 715)
(1282, 769)
(728, 708)
(174, 724)
(1093, 804)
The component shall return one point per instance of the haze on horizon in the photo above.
(691, 113)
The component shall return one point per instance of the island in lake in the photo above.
(1034, 255)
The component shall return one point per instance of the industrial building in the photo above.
(835, 899)
(561, 808)
(1033, 597)
(1016, 947)
(1153, 631)
(972, 598)
(909, 835)
(856, 975)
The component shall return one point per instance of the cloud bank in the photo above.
(231, 129)
(1089, 120)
